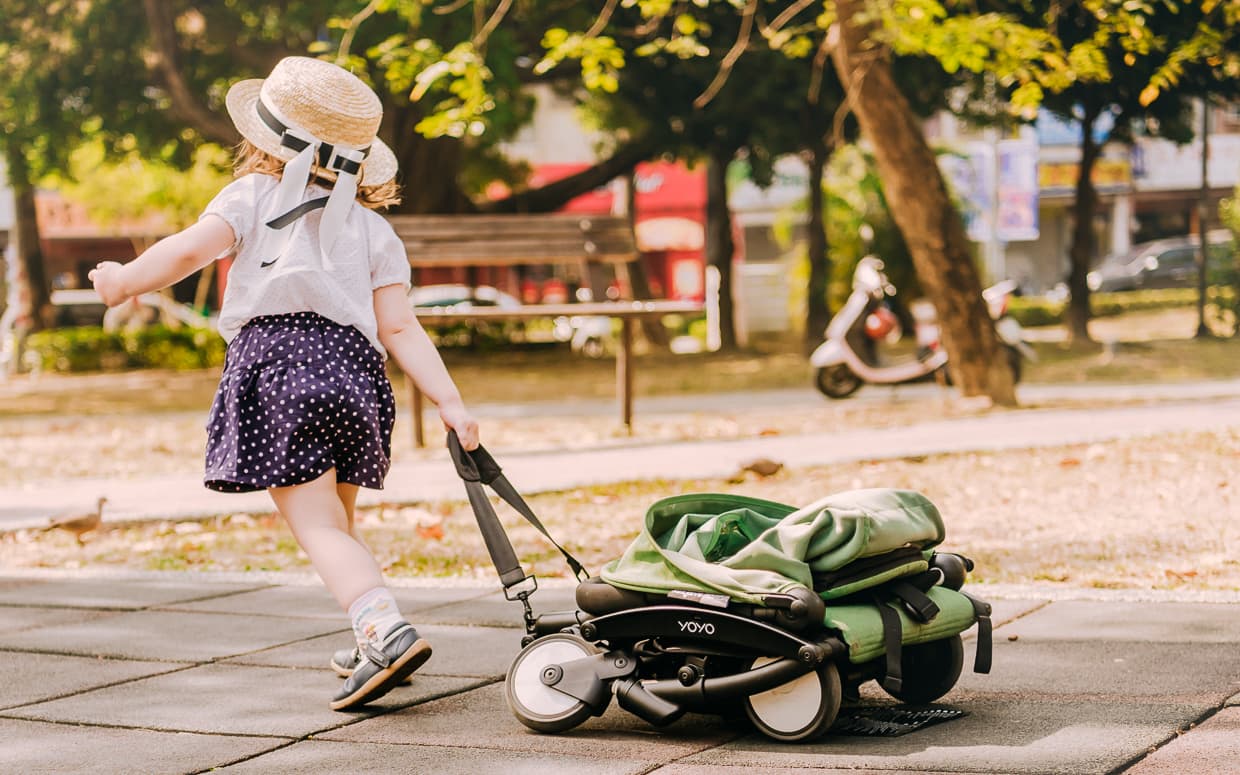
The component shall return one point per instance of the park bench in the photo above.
(509, 240)
(512, 240)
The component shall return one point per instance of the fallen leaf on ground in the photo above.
(430, 532)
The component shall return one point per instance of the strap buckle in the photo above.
(522, 593)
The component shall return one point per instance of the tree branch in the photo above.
(820, 62)
(554, 195)
(163, 62)
(604, 16)
(786, 16)
(346, 40)
(729, 59)
(441, 10)
(480, 38)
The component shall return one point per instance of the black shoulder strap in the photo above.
(916, 602)
(477, 468)
(985, 634)
(893, 645)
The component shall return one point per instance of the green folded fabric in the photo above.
(747, 547)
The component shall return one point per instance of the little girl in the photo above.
(316, 300)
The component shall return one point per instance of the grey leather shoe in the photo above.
(382, 667)
(345, 661)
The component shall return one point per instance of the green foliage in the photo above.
(38, 117)
(132, 187)
(90, 348)
(1213, 42)
(601, 59)
(465, 77)
(1229, 211)
(1039, 311)
(859, 223)
(1224, 308)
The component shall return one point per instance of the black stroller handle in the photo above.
(476, 468)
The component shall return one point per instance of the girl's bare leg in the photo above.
(321, 520)
(348, 496)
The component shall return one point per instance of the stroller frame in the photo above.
(664, 655)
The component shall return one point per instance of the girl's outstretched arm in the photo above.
(167, 261)
(407, 342)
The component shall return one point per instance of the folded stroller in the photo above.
(738, 606)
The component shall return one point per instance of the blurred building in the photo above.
(72, 242)
(1017, 192)
(1146, 191)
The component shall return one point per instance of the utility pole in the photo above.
(1203, 215)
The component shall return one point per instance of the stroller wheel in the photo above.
(799, 710)
(536, 705)
(929, 670)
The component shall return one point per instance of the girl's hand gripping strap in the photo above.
(477, 468)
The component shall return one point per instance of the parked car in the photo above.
(1165, 263)
(586, 335)
(83, 307)
(469, 333)
(459, 296)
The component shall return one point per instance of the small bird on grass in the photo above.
(763, 467)
(79, 522)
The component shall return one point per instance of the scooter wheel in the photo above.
(594, 347)
(836, 381)
(540, 707)
(799, 710)
(929, 670)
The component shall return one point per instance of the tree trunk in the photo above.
(817, 308)
(164, 63)
(430, 174)
(720, 248)
(922, 209)
(554, 195)
(27, 249)
(1082, 252)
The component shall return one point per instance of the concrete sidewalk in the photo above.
(184, 674)
(183, 496)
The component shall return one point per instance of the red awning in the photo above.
(663, 189)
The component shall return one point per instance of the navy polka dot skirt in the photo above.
(299, 395)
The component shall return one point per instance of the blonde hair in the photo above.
(252, 159)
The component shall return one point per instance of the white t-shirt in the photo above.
(367, 255)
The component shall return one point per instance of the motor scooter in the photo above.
(587, 335)
(849, 355)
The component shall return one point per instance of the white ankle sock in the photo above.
(374, 614)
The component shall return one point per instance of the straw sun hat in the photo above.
(313, 98)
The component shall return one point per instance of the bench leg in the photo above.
(624, 373)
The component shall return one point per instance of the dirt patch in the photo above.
(1157, 513)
